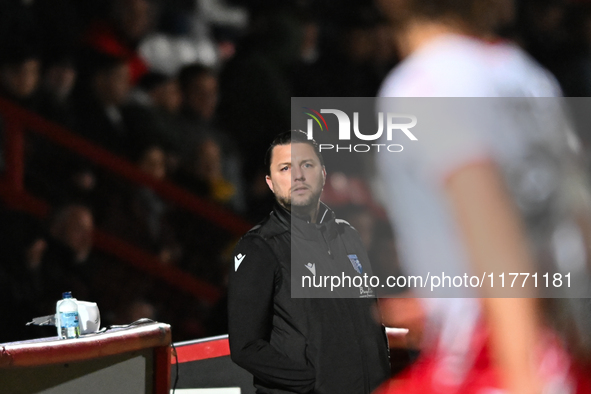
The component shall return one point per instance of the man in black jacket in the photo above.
(292, 336)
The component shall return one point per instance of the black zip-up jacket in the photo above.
(304, 345)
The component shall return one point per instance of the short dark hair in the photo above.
(17, 55)
(103, 63)
(190, 72)
(286, 138)
(152, 80)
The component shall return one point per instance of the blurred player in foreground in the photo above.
(454, 204)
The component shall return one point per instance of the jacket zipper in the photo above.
(322, 231)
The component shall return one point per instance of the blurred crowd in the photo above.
(192, 92)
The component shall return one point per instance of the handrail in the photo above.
(223, 218)
(17, 121)
(125, 252)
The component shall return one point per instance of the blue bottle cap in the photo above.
(67, 294)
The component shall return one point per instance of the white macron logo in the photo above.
(312, 268)
(237, 260)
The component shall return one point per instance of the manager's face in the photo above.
(296, 176)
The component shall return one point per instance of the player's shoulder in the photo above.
(520, 69)
(447, 67)
(262, 234)
(254, 250)
(342, 223)
(461, 66)
(351, 238)
(271, 226)
(346, 229)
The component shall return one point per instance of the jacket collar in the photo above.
(326, 220)
(283, 215)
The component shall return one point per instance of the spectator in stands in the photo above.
(58, 79)
(103, 113)
(199, 85)
(259, 78)
(152, 210)
(140, 215)
(347, 68)
(203, 243)
(204, 136)
(129, 21)
(206, 178)
(20, 82)
(22, 243)
(74, 226)
(180, 40)
(19, 75)
(99, 109)
(309, 50)
(68, 263)
(161, 92)
(199, 89)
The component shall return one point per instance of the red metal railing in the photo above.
(17, 121)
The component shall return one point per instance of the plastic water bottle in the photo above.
(67, 317)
